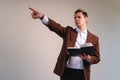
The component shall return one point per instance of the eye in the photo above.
(77, 17)
(74, 17)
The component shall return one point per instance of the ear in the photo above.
(86, 19)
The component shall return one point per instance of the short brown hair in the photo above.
(83, 12)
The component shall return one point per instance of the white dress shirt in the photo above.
(75, 62)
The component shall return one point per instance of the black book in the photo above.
(86, 48)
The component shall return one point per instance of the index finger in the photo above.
(32, 9)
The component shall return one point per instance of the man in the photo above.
(72, 67)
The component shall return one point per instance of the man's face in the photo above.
(80, 20)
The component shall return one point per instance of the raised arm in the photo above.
(51, 24)
(36, 14)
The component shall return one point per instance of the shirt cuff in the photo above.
(88, 60)
(45, 20)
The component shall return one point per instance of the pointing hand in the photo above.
(35, 14)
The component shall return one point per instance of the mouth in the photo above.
(77, 23)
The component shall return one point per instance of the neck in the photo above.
(82, 28)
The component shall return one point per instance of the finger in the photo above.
(84, 54)
(32, 9)
(81, 55)
(33, 16)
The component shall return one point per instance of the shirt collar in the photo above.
(79, 31)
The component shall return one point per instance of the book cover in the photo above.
(86, 48)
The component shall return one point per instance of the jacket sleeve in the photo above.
(56, 27)
(96, 59)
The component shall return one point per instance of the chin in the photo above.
(78, 26)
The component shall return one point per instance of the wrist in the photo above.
(42, 17)
(89, 58)
(45, 20)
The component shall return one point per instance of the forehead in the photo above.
(78, 14)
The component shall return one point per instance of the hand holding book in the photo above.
(85, 57)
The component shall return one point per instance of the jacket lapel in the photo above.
(88, 37)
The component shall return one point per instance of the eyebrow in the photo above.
(77, 17)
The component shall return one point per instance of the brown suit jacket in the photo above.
(69, 35)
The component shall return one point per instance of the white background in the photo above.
(28, 50)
